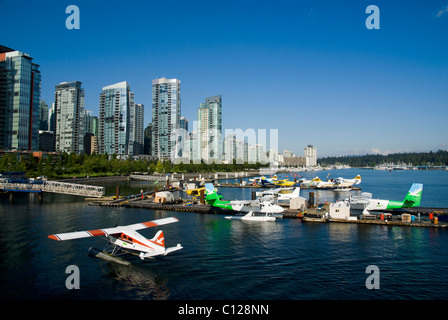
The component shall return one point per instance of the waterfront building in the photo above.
(43, 116)
(91, 133)
(51, 119)
(131, 124)
(94, 125)
(310, 155)
(46, 141)
(69, 117)
(139, 114)
(209, 116)
(20, 82)
(272, 157)
(166, 109)
(183, 123)
(256, 154)
(235, 149)
(294, 161)
(192, 145)
(114, 128)
(182, 148)
(241, 151)
(288, 153)
(147, 139)
(88, 121)
(229, 147)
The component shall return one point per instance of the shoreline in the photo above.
(163, 177)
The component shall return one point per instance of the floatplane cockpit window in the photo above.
(123, 237)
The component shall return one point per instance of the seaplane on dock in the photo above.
(254, 210)
(338, 183)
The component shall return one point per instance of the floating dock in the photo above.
(316, 214)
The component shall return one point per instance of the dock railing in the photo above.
(54, 187)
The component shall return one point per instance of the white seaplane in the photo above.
(278, 194)
(338, 182)
(342, 182)
(127, 238)
(305, 182)
(254, 210)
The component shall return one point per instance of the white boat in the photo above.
(252, 217)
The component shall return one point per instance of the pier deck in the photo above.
(52, 187)
(310, 215)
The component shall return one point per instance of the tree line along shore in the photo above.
(64, 165)
(438, 158)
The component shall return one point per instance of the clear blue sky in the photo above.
(310, 69)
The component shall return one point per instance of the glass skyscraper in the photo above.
(19, 100)
(139, 113)
(166, 109)
(115, 132)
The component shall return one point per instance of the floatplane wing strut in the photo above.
(108, 231)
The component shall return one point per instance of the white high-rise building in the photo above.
(69, 117)
(166, 109)
(256, 154)
(310, 156)
(210, 129)
(115, 123)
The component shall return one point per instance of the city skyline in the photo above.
(313, 71)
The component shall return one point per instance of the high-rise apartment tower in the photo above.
(69, 117)
(166, 109)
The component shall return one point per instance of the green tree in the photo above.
(159, 167)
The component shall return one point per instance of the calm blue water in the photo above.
(222, 259)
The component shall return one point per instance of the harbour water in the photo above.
(222, 259)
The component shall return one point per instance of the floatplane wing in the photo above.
(109, 231)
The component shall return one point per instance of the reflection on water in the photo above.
(137, 282)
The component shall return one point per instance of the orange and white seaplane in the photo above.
(127, 238)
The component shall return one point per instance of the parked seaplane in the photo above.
(305, 182)
(264, 181)
(284, 183)
(367, 204)
(322, 184)
(127, 238)
(195, 192)
(278, 194)
(341, 182)
(256, 210)
(289, 196)
(338, 182)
